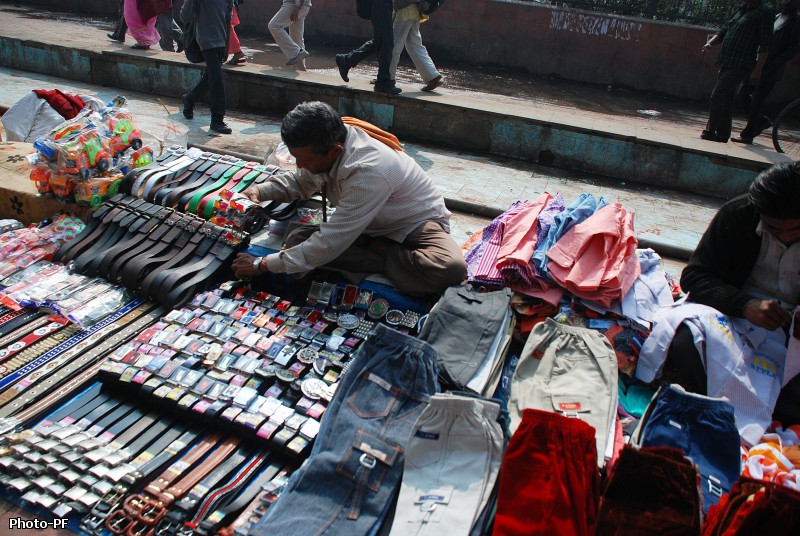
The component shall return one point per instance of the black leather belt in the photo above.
(143, 228)
(111, 234)
(186, 245)
(21, 332)
(133, 181)
(176, 167)
(174, 196)
(18, 320)
(74, 406)
(157, 192)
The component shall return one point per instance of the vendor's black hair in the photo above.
(313, 124)
(776, 191)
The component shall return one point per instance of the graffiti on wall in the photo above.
(625, 30)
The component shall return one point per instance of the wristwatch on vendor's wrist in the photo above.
(257, 264)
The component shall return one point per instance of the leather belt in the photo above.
(147, 226)
(158, 191)
(101, 218)
(38, 397)
(148, 462)
(18, 319)
(210, 187)
(187, 242)
(44, 365)
(199, 502)
(19, 363)
(176, 195)
(73, 407)
(53, 325)
(111, 234)
(245, 520)
(176, 167)
(140, 513)
(134, 180)
(23, 331)
(217, 518)
(240, 181)
(136, 259)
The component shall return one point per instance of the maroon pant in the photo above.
(651, 491)
(755, 507)
(549, 478)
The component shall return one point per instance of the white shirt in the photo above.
(776, 273)
(376, 190)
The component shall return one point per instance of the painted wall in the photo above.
(576, 45)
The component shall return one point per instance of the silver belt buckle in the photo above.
(98, 454)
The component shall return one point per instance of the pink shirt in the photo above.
(596, 259)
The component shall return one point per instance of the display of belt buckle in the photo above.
(75, 493)
(70, 476)
(98, 454)
(99, 471)
(116, 457)
(297, 445)
(63, 510)
(43, 481)
(31, 496)
(56, 489)
(74, 439)
(116, 473)
(21, 448)
(32, 456)
(58, 467)
(47, 501)
(21, 484)
(65, 432)
(32, 438)
(89, 444)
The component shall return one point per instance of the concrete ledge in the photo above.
(549, 138)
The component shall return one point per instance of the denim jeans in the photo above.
(356, 463)
(703, 428)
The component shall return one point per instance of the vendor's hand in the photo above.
(767, 314)
(243, 266)
(252, 193)
(705, 47)
(295, 13)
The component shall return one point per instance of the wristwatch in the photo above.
(257, 264)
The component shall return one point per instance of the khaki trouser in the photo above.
(428, 260)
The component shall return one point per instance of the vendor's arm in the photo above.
(362, 198)
(724, 258)
(285, 187)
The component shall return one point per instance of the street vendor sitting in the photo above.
(389, 217)
(732, 337)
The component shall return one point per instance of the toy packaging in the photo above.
(86, 157)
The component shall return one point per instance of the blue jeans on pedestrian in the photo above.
(356, 463)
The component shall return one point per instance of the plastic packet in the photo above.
(100, 307)
(80, 297)
(95, 191)
(20, 294)
(282, 158)
(27, 275)
(27, 258)
(9, 225)
(70, 286)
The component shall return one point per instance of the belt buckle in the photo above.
(119, 522)
(152, 512)
(134, 504)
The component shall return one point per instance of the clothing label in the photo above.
(380, 381)
(375, 453)
(427, 435)
(569, 406)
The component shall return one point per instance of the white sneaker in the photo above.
(300, 56)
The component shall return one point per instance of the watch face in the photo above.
(348, 321)
(378, 308)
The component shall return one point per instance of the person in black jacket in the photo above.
(746, 265)
(379, 12)
(784, 45)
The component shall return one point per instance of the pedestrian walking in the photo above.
(171, 35)
(211, 18)
(234, 46)
(744, 37)
(121, 28)
(783, 47)
(141, 17)
(407, 18)
(379, 12)
(287, 28)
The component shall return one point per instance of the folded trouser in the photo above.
(703, 428)
(650, 491)
(356, 463)
(462, 326)
(549, 478)
(571, 371)
(755, 507)
(451, 466)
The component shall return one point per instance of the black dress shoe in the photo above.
(137, 46)
(742, 139)
(391, 90)
(116, 37)
(221, 127)
(179, 47)
(344, 68)
(188, 107)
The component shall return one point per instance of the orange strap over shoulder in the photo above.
(379, 134)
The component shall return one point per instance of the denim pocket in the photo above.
(368, 460)
(373, 397)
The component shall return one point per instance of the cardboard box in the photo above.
(18, 196)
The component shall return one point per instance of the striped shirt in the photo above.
(746, 33)
(376, 190)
